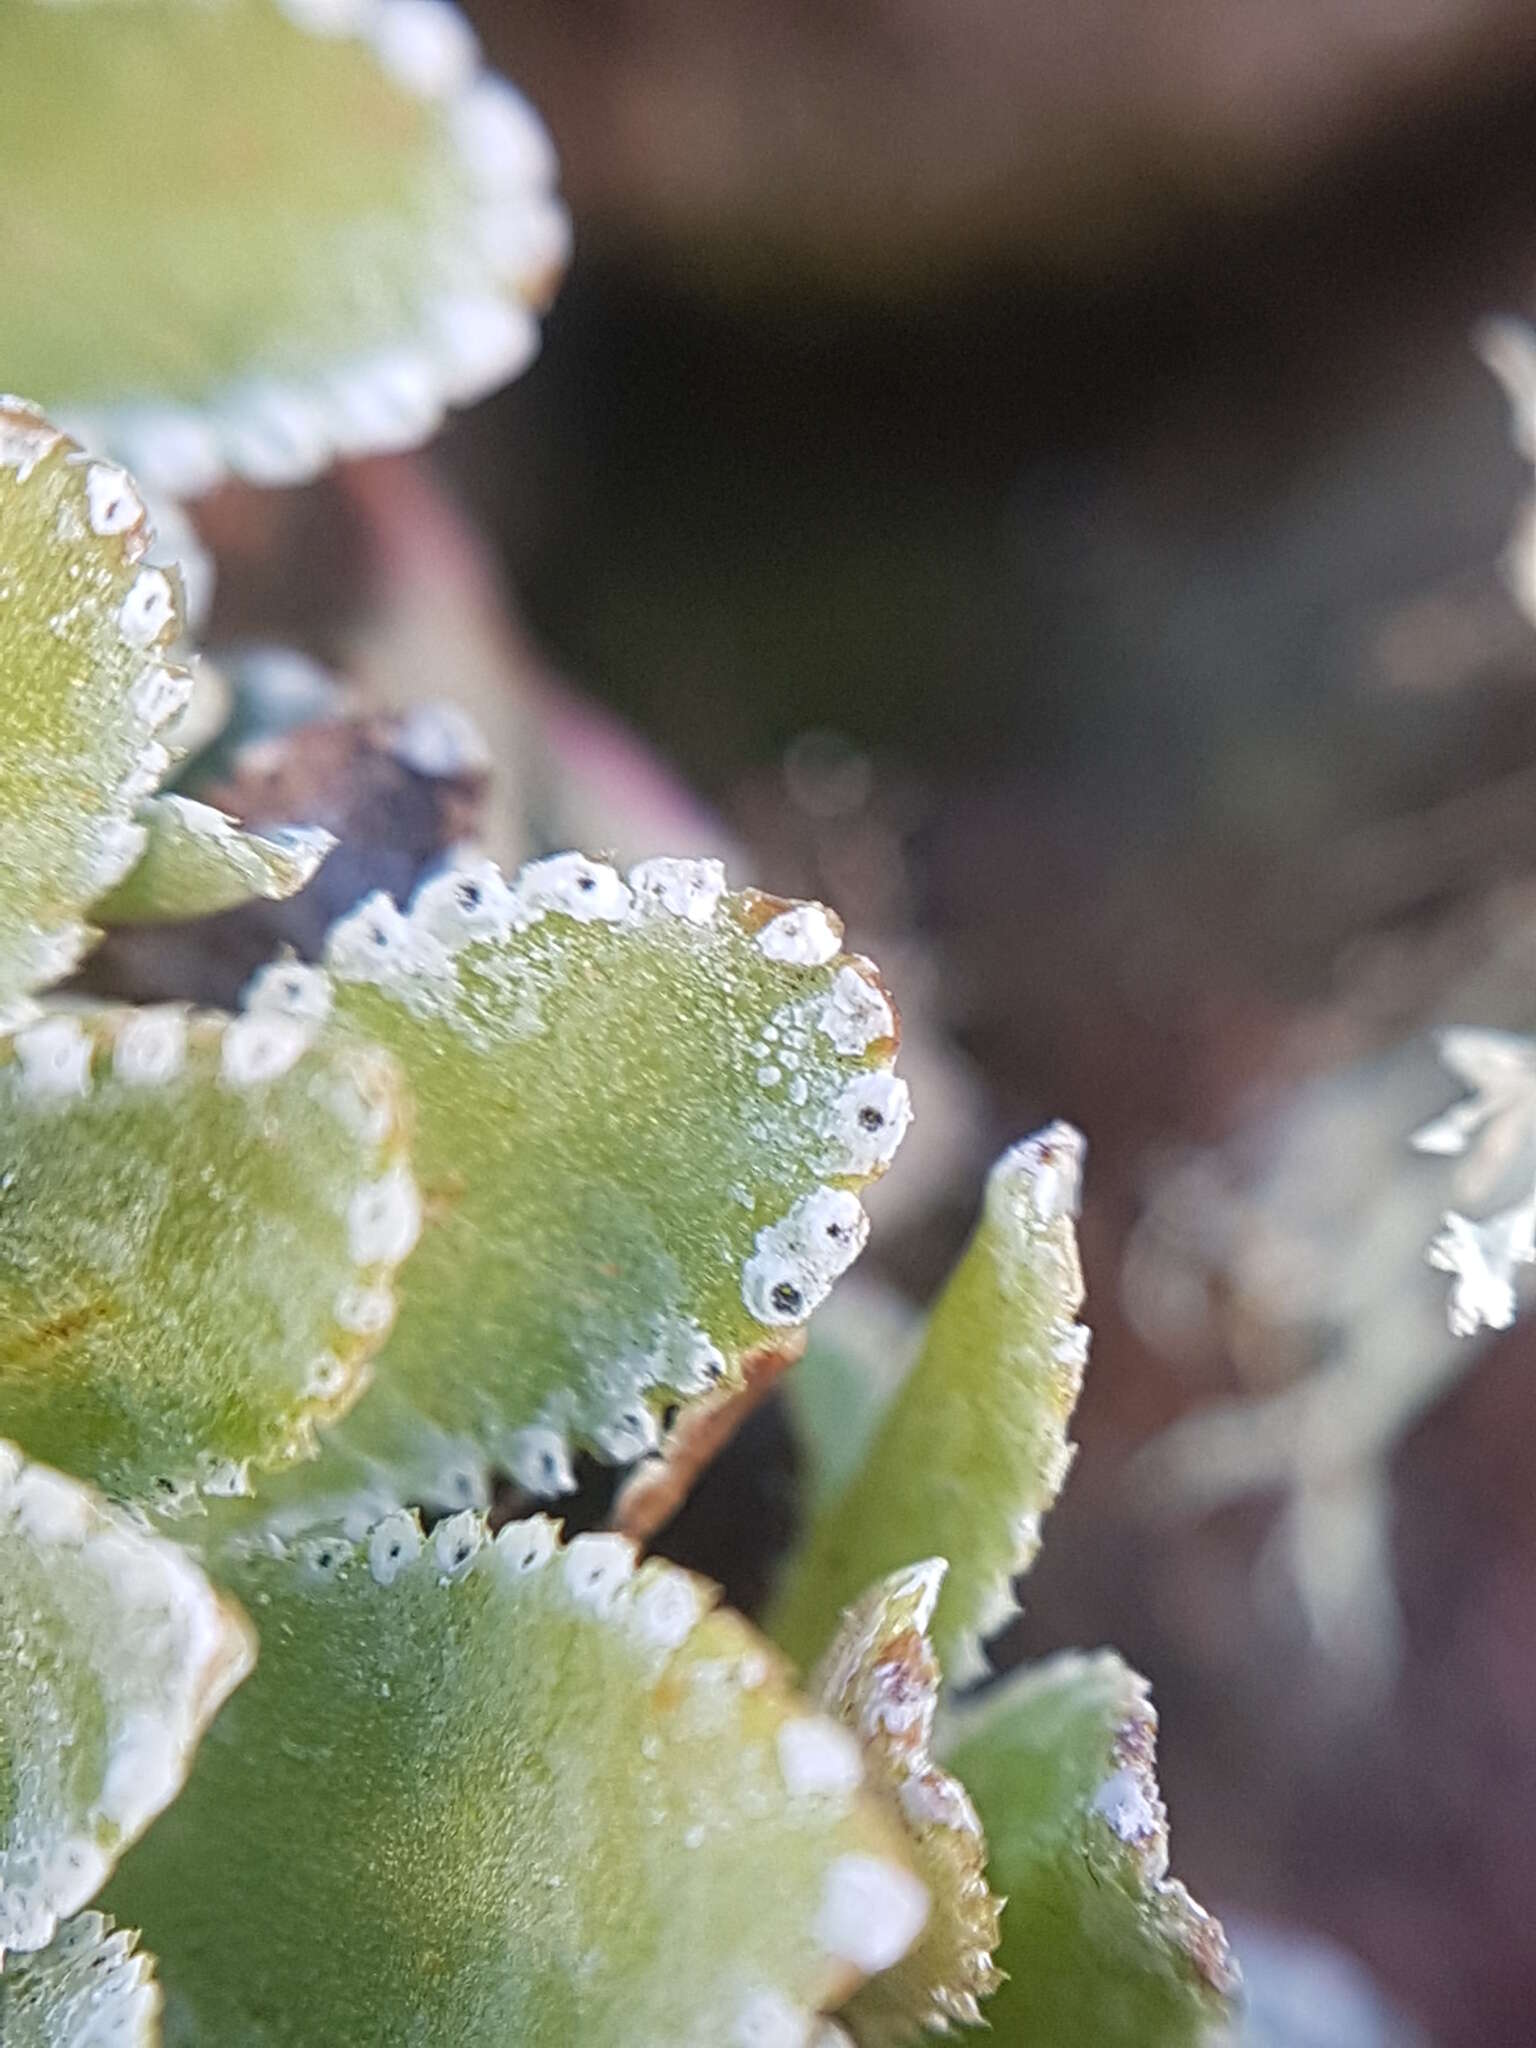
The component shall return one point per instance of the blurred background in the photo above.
(1021, 471)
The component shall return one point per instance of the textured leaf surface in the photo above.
(84, 686)
(643, 1111)
(543, 1798)
(199, 1221)
(245, 236)
(197, 861)
(88, 1989)
(881, 1679)
(117, 1654)
(1101, 1949)
(973, 1448)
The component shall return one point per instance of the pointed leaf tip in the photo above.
(973, 1447)
(880, 1678)
(196, 861)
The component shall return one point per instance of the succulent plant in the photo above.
(306, 1309)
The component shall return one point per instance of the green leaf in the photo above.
(542, 1797)
(1101, 1949)
(199, 1222)
(860, 1347)
(89, 1989)
(118, 1654)
(197, 861)
(251, 236)
(881, 1679)
(643, 1111)
(84, 685)
(973, 1448)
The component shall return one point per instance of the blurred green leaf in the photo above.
(973, 1448)
(541, 1796)
(1100, 1949)
(117, 1655)
(860, 1346)
(251, 236)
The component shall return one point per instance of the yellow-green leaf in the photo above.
(1100, 1948)
(645, 1108)
(197, 861)
(85, 687)
(200, 1219)
(249, 236)
(973, 1448)
(117, 1655)
(494, 1792)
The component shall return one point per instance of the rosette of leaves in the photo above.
(197, 1215)
(552, 1795)
(244, 236)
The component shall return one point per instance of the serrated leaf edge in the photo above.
(269, 866)
(881, 1679)
(411, 956)
(52, 1508)
(150, 619)
(1127, 1804)
(58, 1059)
(871, 1909)
(118, 1970)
